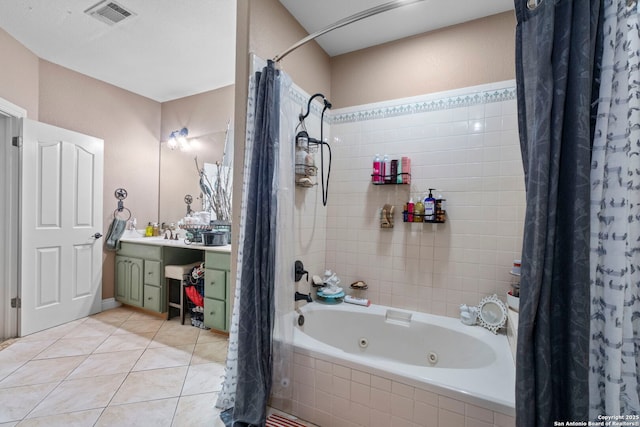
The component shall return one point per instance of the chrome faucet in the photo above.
(300, 296)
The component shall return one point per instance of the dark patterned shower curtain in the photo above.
(555, 56)
(252, 377)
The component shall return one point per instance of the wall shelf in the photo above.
(394, 179)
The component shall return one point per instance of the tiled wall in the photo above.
(333, 395)
(464, 143)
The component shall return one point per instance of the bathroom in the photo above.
(413, 266)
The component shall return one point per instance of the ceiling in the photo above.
(170, 49)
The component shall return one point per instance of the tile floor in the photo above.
(120, 367)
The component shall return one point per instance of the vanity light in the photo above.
(178, 139)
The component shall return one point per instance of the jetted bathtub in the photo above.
(462, 364)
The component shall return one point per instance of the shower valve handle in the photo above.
(300, 271)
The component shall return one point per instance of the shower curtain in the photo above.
(615, 216)
(248, 379)
(555, 56)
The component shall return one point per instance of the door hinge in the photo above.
(16, 303)
(16, 141)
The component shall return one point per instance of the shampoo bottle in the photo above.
(410, 210)
(387, 169)
(430, 207)
(376, 169)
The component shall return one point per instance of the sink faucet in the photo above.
(299, 296)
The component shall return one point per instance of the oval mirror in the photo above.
(492, 313)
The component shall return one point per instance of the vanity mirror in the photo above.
(492, 313)
(179, 173)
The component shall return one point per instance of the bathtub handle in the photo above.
(300, 271)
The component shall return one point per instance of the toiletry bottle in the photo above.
(148, 232)
(430, 207)
(376, 169)
(410, 210)
(387, 168)
(441, 208)
(418, 212)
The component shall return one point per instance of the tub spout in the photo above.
(299, 296)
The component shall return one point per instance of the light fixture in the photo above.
(178, 139)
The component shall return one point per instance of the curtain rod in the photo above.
(346, 21)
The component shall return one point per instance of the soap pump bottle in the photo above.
(430, 207)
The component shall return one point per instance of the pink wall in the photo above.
(469, 54)
(128, 123)
(19, 76)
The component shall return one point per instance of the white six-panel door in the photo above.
(61, 220)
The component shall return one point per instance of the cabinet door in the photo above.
(152, 297)
(134, 295)
(122, 277)
(152, 272)
(215, 314)
(215, 284)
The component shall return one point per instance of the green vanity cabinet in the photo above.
(217, 311)
(129, 280)
(140, 273)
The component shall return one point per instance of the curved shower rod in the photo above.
(346, 21)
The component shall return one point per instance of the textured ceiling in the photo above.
(171, 49)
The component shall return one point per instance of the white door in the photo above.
(61, 222)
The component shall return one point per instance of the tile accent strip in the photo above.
(423, 103)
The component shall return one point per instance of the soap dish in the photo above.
(359, 285)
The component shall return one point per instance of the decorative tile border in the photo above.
(415, 107)
(405, 106)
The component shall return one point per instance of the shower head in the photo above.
(327, 105)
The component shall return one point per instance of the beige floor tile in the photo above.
(208, 336)
(125, 342)
(7, 368)
(92, 328)
(18, 401)
(79, 394)
(150, 385)
(209, 352)
(174, 337)
(73, 419)
(53, 333)
(155, 413)
(71, 347)
(164, 357)
(197, 410)
(119, 362)
(42, 371)
(204, 378)
(115, 316)
(22, 351)
(135, 326)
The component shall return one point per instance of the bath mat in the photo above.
(275, 420)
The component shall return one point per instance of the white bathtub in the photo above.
(437, 354)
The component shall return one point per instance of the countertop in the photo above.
(135, 237)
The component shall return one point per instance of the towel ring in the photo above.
(115, 213)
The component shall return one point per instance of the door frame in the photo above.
(10, 224)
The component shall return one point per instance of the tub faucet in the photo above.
(300, 296)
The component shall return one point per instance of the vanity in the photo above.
(140, 280)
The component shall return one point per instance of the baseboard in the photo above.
(110, 303)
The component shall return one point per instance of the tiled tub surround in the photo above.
(347, 387)
(462, 142)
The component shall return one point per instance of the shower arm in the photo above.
(346, 21)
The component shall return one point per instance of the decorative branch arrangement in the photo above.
(217, 196)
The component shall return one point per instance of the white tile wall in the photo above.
(469, 152)
(332, 395)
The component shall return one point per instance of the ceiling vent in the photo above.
(109, 12)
